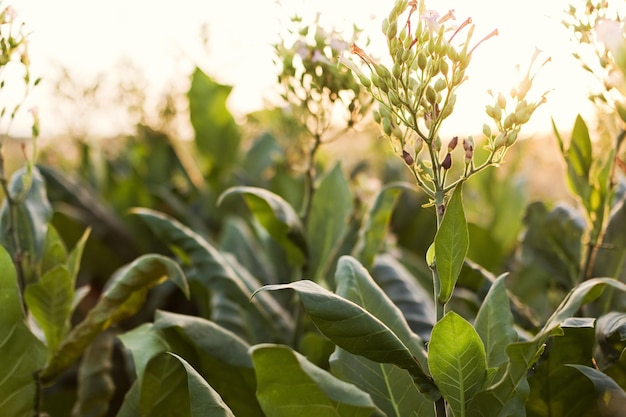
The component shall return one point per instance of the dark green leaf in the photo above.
(415, 303)
(330, 210)
(291, 385)
(611, 397)
(277, 217)
(122, 299)
(354, 329)
(172, 387)
(557, 389)
(21, 353)
(457, 361)
(494, 323)
(611, 335)
(354, 283)
(611, 257)
(95, 384)
(451, 244)
(374, 229)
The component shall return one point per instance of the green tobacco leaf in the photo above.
(330, 210)
(611, 336)
(54, 251)
(579, 158)
(123, 298)
(451, 244)
(556, 389)
(50, 302)
(290, 385)
(223, 359)
(457, 361)
(171, 387)
(390, 387)
(354, 283)
(277, 217)
(95, 384)
(415, 303)
(21, 353)
(219, 273)
(374, 230)
(354, 329)
(494, 323)
(523, 355)
(611, 397)
(31, 218)
(217, 134)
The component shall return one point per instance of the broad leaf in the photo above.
(95, 384)
(217, 134)
(290, 385)
(21, 353)
(457, 361)
(50, 302)
(579, 158)
(390, 387)
(558, 390)
(30, 218)
(374, 229)
(122, 299)
(524, 355)
(354, 329)
(611, 336)
(277, 217)
(494, 323)
(451, 245)
(330, 210)
(172, 387)
(610, 396)
(54, 251)
(219, 273)
(415, 303)
(355, 284)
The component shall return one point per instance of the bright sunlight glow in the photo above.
(163, 40)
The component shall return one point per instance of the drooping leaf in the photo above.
(122, 299)
(354, 283)
(172, 387)
(611, 257)
(21, 353)
(390, 387)
(218, 272)
(95, 384)
(451, 245)
(374, 229)
(610, 396)
(291, 385)
(611, 335)
(457, 361)
(555, 388)
(50, 302)
(330, 210)
(277, 217)
(415, 303)
(217, 134)
(30, 218)
(354, 329)
(494, 323)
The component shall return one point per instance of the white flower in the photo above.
(339, 44)
(431, 18)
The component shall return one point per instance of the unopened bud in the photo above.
(419, 144)
(376, 115)
(431, 95)
(501, 101)
(447, 162)
(508, 121)
(422, 60)
(468, 145)
(408, 159)
(386, 126)
(392, 30)
(499, 141)
(453, 142)
(443, 68)
(396, 70)
(511, 137)
(437, 144)
(486, 130)
(440, 84)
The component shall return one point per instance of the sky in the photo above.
(162, 39)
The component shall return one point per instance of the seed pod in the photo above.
(408, 159)
(392, 30)
(431, 95)
(447, 162)
(422, 60)
(499, 141)
(440, 84)
(508, 121)
(365, 81)
(511, 137)
(443, 68)
(386, 126)
(396, 70)
(486, 130)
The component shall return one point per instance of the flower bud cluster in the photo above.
(507, 119)
(312, 79)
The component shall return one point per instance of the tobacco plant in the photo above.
(300, 302)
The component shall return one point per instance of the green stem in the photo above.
(309, 178)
